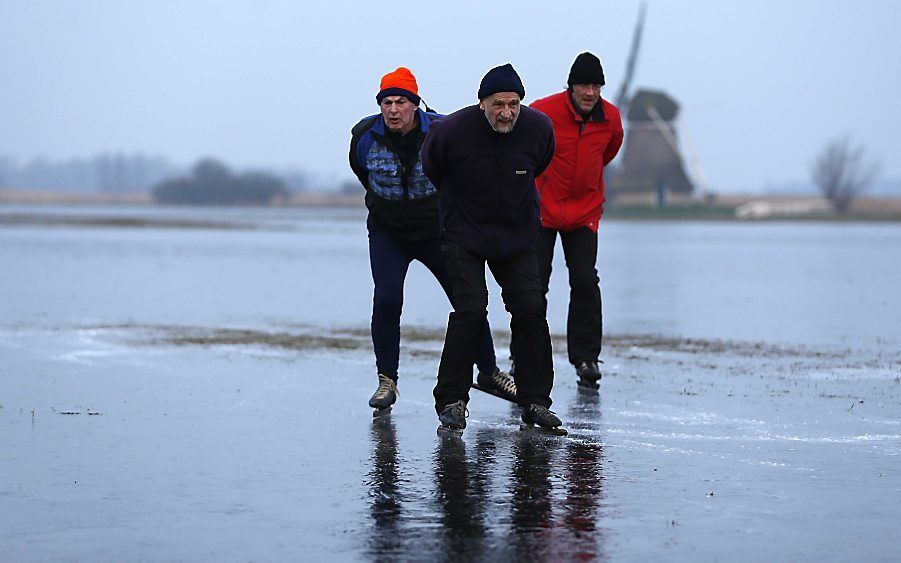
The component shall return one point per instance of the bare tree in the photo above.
(843, 172)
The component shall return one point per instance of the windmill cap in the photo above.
(586, 69)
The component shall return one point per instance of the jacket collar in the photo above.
(595, 115)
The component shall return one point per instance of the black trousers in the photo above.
(531, 340)
(584, 322)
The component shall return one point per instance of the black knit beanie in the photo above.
(501, 79)
(586, 69)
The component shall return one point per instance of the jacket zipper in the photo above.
(497, 190)
(567, 217)
(406, 189)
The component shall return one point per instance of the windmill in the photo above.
(652, 161)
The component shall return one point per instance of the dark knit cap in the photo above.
(501, 79)
(586, 69)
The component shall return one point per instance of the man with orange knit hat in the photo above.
(403, 226)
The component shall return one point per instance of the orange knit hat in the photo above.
(401, 82)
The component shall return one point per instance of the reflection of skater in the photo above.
(536, 507)
(461, 500)
(582, 474)
(531, 504)
(484, 159)
(589, 133)
(385, 493)
(583, 478)
(403, 226)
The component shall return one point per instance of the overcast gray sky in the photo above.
(763, 84)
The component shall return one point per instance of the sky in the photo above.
(763, 85)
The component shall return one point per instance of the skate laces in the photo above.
(506, 384)
(386, 386)
(502, 382)
(541, 415)
(459, 408)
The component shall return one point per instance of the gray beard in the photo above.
(496, 130)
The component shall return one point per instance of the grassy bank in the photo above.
(670, 212)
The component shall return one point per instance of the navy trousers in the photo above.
(389, 258)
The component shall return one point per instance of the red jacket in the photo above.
(572, 187)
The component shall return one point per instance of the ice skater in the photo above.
(484, 159)
(589, 132)
(403, 226)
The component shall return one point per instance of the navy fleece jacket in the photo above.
(488, 202)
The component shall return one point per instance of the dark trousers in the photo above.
(584, 320)
(390, 259)
(521, 292)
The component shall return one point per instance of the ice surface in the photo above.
(199, 394)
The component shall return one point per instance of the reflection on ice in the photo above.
(498, 492)
(385, 492)
(460, 496)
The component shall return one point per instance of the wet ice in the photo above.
(229, 370)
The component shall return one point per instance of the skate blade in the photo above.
(587, 384)
(554, 431)
(492, 392)
(448, 432)
(381, 412)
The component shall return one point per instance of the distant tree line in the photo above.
(210, 182)
(113, 173)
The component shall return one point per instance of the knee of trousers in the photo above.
(474, 302)
(585, 278)
(528, 317)
(386, 303)
(526, 303)
(469, 319)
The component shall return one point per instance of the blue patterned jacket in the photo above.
(401, 199)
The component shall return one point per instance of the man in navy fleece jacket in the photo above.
(483, 159)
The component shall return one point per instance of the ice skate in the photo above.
(453, 418)
(589, 375)
(385, 395)
(541, 419)
(498, 383)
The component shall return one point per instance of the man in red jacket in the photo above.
(589, 133)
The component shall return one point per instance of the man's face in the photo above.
(502, 110)
(399, 114)
(585, 96)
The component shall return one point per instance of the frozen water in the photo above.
(197, 391)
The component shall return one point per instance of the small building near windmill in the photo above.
(651, 164)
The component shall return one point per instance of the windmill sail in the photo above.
(622, 96)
